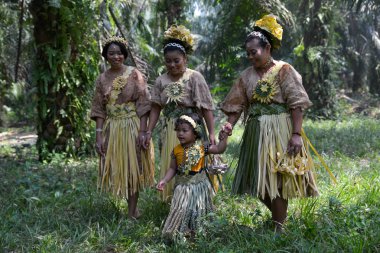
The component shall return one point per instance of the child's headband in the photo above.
(190, 120)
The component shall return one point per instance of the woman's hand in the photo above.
(212, 139)
(160, 186)
(99, 145)
(148, 137)
(141, 139)
(294, 145)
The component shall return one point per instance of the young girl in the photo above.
(192, 198)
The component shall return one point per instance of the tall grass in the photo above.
(56, 207)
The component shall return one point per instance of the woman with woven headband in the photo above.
(179, 90)
(274, 162)
(192, 198)
(120, 108)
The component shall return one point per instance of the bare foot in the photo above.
(137, 214)
(278, 228)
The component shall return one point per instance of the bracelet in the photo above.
(99, 130)
(148, 132)
(297, 133)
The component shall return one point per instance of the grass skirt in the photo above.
(125, 169)
(192, 201)
(170, 140)
(264, 138)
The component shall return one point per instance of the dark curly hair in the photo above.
(123, 49)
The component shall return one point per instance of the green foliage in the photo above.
(65, 70)
(20, 103)
(331, 137)
(222, 49)
(327, 43)
(13, 110)
(55, 207)
(317, 57)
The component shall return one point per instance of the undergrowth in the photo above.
(56, 207)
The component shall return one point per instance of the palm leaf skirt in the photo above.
(169, 141)
(191, 202)
(125, 169)
(265, 139)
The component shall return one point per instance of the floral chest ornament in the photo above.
(118, 85)
(175, 92)
(191, 157)
(267, 87)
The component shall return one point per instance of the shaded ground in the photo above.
(55, 207)
(18, 137)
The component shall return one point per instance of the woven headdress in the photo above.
(115, 39)
(180, 35)
(269, 24)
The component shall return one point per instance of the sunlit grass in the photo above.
(56, 207)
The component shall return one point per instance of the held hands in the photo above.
(160, 186)
(225, 131)
(294, 145)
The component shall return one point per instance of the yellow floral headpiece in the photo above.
(190, 120)
(115, 39)
(181, 33)
(269, 23)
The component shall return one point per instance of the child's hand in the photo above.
(160, 186)
(225, 131)
(227, 128)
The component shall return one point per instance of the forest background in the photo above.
(50, 57)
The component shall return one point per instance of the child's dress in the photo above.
(192, 198)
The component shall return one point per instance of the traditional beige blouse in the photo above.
(197, 93)
(291, 90)
(135, 91)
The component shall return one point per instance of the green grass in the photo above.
(56, 207)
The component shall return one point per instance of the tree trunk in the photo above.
(316, 72)
(356, 54)
(53, 129)
(65, 69)
(373, 74)
(44, 19)
(19, 39)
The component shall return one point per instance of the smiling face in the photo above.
(115, 56)
(257, 54)
(175, 62)
(185, 134)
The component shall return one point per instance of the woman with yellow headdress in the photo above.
(274, 163)
(120, 108)
(179, 90)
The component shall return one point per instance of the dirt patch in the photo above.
(18, 137)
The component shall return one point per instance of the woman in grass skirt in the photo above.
(274, 162)
(180, 90)
(120, 108)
